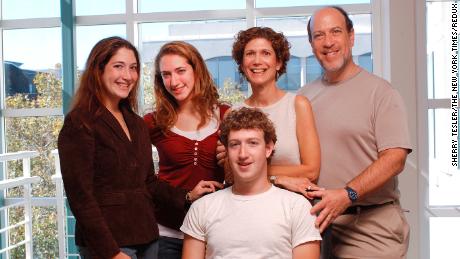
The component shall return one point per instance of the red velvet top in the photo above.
(184, 162)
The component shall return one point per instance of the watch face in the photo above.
(352, 194)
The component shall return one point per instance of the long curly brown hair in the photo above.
(89, 96)
(205, 95)
(279, 43)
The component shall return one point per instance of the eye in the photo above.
(266, 53)
(134, 67)
(118, 66)
(233, 144)
(165, 75)
(249, 53)
(181, 71)
(253, 142)
(318, 36)
(336, 31)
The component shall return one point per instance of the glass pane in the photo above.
(32, 68)
(44, 232)
(39, 134)
(88, 36)
(444, 178)
(444, 237)
(147, 6)
(99, 7)
(213, 39)
(23, 9)
(303, 66)
(285, 3)
(438, 22)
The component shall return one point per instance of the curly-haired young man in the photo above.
(252, 218)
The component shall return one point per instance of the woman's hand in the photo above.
(297, 184)
(204, 187)
(221, 154)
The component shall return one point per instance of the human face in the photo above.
(259, 62)
(331, 42)
(178, 77)
(120, 76)
(247, 154)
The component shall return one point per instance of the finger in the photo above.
(216, 184)
(207, 190)
(305, 194)
(317, 208)
(325, 223)
(316, 194)
(321, 217)
(313, 187)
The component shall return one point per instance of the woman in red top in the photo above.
(183, 128)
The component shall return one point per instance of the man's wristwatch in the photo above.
(272, 179)
(352, 194)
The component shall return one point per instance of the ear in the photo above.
(278, 65)
(269, 149)
(352, 37)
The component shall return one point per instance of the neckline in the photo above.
(285, 96)
(343, 81)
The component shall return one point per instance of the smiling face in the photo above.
(331, 42)
(178, 77)
(247, 154)
(260, 64)
(120, 76)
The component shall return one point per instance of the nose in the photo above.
(257, 58)
(328, 40)
(242, 154)
(174, 80)
(128, 74)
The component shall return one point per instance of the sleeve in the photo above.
(161, 192)
(193, 223)
(76, 146)
(303, 223)
(391, 129)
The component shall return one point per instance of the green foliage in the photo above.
(230, 92)
(39, 134)
(147, 85)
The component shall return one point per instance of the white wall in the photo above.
(402, 42)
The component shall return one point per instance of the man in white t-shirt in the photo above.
(251, 219)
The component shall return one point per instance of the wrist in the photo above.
(188, 197)
(352, 194)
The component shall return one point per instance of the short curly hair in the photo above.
(247, 118)
(279, 43)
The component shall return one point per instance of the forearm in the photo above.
(193, 248)
(303, 171)
(309, 250)
(389, 164)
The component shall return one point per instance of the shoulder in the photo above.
(310, 90)
(212, 199)
(302, 102)
(79, 119)
(224, 108)
(379, 84)
(149, 119)
(291, 198)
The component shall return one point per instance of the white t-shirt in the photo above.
(266, 225)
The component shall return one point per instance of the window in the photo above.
(32, 82)
(443, 203)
